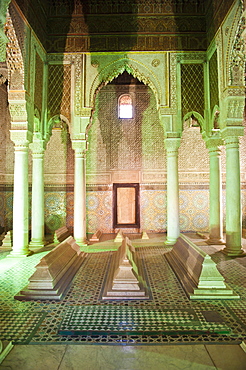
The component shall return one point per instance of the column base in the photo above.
(170, 241)
(82, 243)
(19, 254)
(215, 241)
(35, 245)
(231, 253)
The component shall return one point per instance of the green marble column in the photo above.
(20, 200)
(233, 197)
(37, 240)
(215, 192)
(172, 145)
(79, 147)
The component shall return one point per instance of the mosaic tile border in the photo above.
(115, 320)
(19, 327)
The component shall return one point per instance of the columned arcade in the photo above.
(122, 169)
(172, 92)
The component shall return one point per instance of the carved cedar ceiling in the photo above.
(122, 25)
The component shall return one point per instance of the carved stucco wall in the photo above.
(123, 151)
(59, 162)
(146, 169)
(193, 174)
(125, 144)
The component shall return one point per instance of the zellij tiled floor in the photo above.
(168, 317)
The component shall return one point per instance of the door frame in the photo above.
(137, 205)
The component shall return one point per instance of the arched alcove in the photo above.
(58, 174)
(125, 150)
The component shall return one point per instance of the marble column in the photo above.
(20, 200)
(172, 145)
(215, 192)
(79, 147)
(37, 148)
(233, 197)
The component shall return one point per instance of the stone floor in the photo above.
(99, 357)
(203, 344)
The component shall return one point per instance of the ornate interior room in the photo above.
(123, 183)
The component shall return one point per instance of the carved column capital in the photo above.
(231, 134)
(21, 138)
(172, 144)
(37, 147)
(80, 147)
(213, 143)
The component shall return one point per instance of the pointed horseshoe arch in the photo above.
(133, 67)
(59, 118)
(199, 118)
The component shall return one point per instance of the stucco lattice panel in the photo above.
(213, 81)
(55, 156)
(38, 83)
(3, 128)
(96, 158)
(125, 144)
(69, 209)
(192, 88)
(152, 134)
(14, 58)
(193, 154)
(99, 211)
(59, 90)
(6, 145)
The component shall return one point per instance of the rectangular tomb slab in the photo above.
(54, 272)
(197, 272)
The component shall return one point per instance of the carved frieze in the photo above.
(191, 57)
(98, 178)
(18, 111)
(232, 133)
(235, 108)
(136, 42)
(126, 23)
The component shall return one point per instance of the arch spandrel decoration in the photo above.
(133, 67)
(58, 121)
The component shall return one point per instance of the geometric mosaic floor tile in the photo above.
(131, 320)
(38, 322)
(19, 327)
